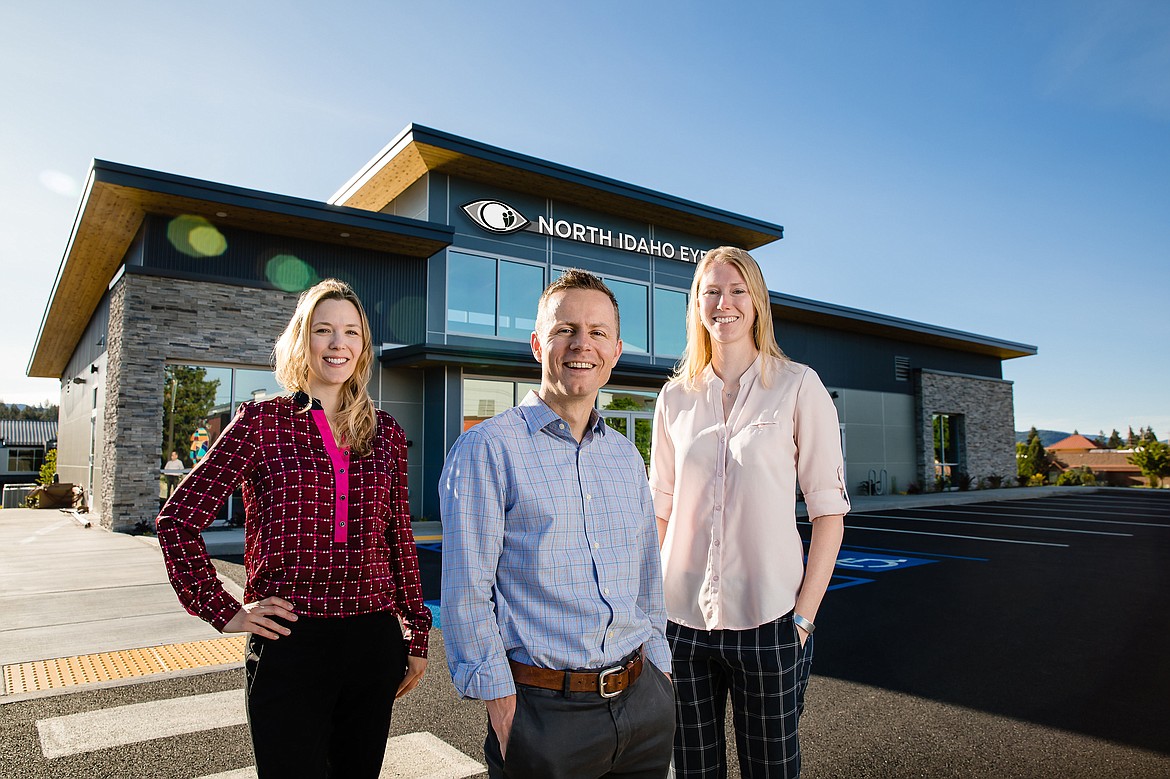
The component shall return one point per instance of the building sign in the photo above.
(502, 219)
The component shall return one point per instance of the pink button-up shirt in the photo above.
(732, 558)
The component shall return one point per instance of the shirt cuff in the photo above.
(824, 503)
(484, 681)
(663, 503)
(659, 653)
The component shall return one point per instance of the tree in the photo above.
(1147, 435)
(1153, 458)
(1031, 459)
(1131, 440)
(188, 398)
(49, 469)
(1114, 441)
(46, 411)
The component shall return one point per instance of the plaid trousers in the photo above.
(766, 671)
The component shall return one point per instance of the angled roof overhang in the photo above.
(794, 309)
(420, 150)
(118, 197)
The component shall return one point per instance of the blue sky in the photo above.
(1001, 168)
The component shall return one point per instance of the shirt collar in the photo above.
(750, 374)
(537, 415)
(300, 399)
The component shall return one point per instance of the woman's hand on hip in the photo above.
(256, 617)
(415, 668)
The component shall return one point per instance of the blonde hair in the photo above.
(355, 412)
(697, 355)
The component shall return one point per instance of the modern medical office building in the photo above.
(172, 291)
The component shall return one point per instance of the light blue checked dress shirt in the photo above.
(550, 551)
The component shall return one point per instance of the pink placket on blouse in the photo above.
(340, 460)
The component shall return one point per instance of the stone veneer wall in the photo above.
(152, 320)
(989, 422)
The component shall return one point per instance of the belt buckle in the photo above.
(601, 677)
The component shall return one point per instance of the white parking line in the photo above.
(1042, 516)
(851, 528)
(997, 524)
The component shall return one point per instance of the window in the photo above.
(634, 307)
(670, 322)
(491, 297)
(25, 459)
(948, 447)
(198, 403)
(484, 398)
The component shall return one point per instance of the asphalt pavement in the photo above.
(924, 667)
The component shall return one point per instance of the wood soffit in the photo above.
(417, 159)
(110, 217)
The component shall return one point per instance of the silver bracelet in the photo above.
(803, 624)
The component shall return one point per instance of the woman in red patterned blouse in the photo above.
(332, 570)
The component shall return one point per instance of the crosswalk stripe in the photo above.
(130, 724)
(410, 756)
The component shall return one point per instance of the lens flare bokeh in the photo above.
(194, 236)
(290, 273)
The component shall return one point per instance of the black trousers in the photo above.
(319, 700)
(584, 736)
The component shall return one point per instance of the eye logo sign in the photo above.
(496, 217)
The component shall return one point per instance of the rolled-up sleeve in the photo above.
(820, 466)
(471, 495)
(662, 461)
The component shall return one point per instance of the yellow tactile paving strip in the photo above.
(38, 675)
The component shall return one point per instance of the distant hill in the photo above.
(1047, 437)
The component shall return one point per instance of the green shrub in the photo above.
(1077, 477)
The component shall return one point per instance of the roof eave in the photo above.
(419, 150)
(118, 197)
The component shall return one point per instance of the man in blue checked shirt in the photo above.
(552, 589)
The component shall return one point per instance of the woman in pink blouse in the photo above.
(332, 570)
(735, 431)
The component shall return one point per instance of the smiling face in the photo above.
(335, 343)
(726, 305)
(577, 344)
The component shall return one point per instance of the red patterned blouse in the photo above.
(326, 531)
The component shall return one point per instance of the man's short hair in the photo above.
(574, 278)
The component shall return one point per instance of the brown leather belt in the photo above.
(607, 683)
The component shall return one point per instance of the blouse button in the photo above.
(342, 497)
(341, 523)
(342, 471)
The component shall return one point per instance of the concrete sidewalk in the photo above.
(69, 590)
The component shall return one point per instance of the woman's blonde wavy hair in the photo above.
(357, 420)
(697, 355)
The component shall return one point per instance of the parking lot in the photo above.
(1048, 613)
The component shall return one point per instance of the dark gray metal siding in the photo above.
(866, 362)
(391, 287)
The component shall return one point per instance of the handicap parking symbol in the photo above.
(871, 562)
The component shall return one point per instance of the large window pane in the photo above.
(670, 322)
(520, 288)
(633, 306)
(626, 400)
(484, 398)
(471, 294)
(254, 385)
